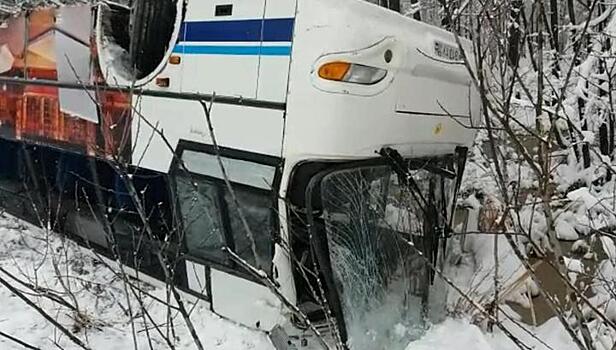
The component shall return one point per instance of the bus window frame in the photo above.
(319, 244)
(230, 266)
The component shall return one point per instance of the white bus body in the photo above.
(280, 122)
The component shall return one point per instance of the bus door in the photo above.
(211, 214)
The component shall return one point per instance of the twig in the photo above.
(249, 234)
(20, 342)
(63, 329)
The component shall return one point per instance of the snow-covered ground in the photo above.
(461, 335)
(50, 263)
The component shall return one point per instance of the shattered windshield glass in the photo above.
(382, 281)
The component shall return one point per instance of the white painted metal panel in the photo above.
(221, 74)
(273, 78)
(353, 121)
(244, 128)
(445, 87)
(197, 278)
(280, 8)
(250, 129)
(244, 301)
(199, 10)
(152, 116)
(274, 70)
(208, 66)
(240, 171)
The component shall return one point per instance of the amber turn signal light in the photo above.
(351, 73)
(334, 70)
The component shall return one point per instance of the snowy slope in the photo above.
(30, 254)
(461, 335)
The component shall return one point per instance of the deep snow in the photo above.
(456, 334)
(29, 254)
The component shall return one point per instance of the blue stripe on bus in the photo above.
(233, 50)
(276, 29)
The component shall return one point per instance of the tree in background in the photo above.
(545, 72)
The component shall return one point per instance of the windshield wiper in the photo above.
(400, 167)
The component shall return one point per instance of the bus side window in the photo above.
(203, 229)
(257, 210)
(212, 218)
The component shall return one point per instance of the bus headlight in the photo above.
(351, 73)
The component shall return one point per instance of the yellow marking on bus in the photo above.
(438, 129)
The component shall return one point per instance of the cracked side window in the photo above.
(203, 227)
(211, 216)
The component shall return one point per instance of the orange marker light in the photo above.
(163, 82)
(175, 60)
(334, 70)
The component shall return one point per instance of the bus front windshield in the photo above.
(373, 225)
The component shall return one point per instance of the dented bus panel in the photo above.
(341, 127)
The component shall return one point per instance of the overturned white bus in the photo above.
(330, 155)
